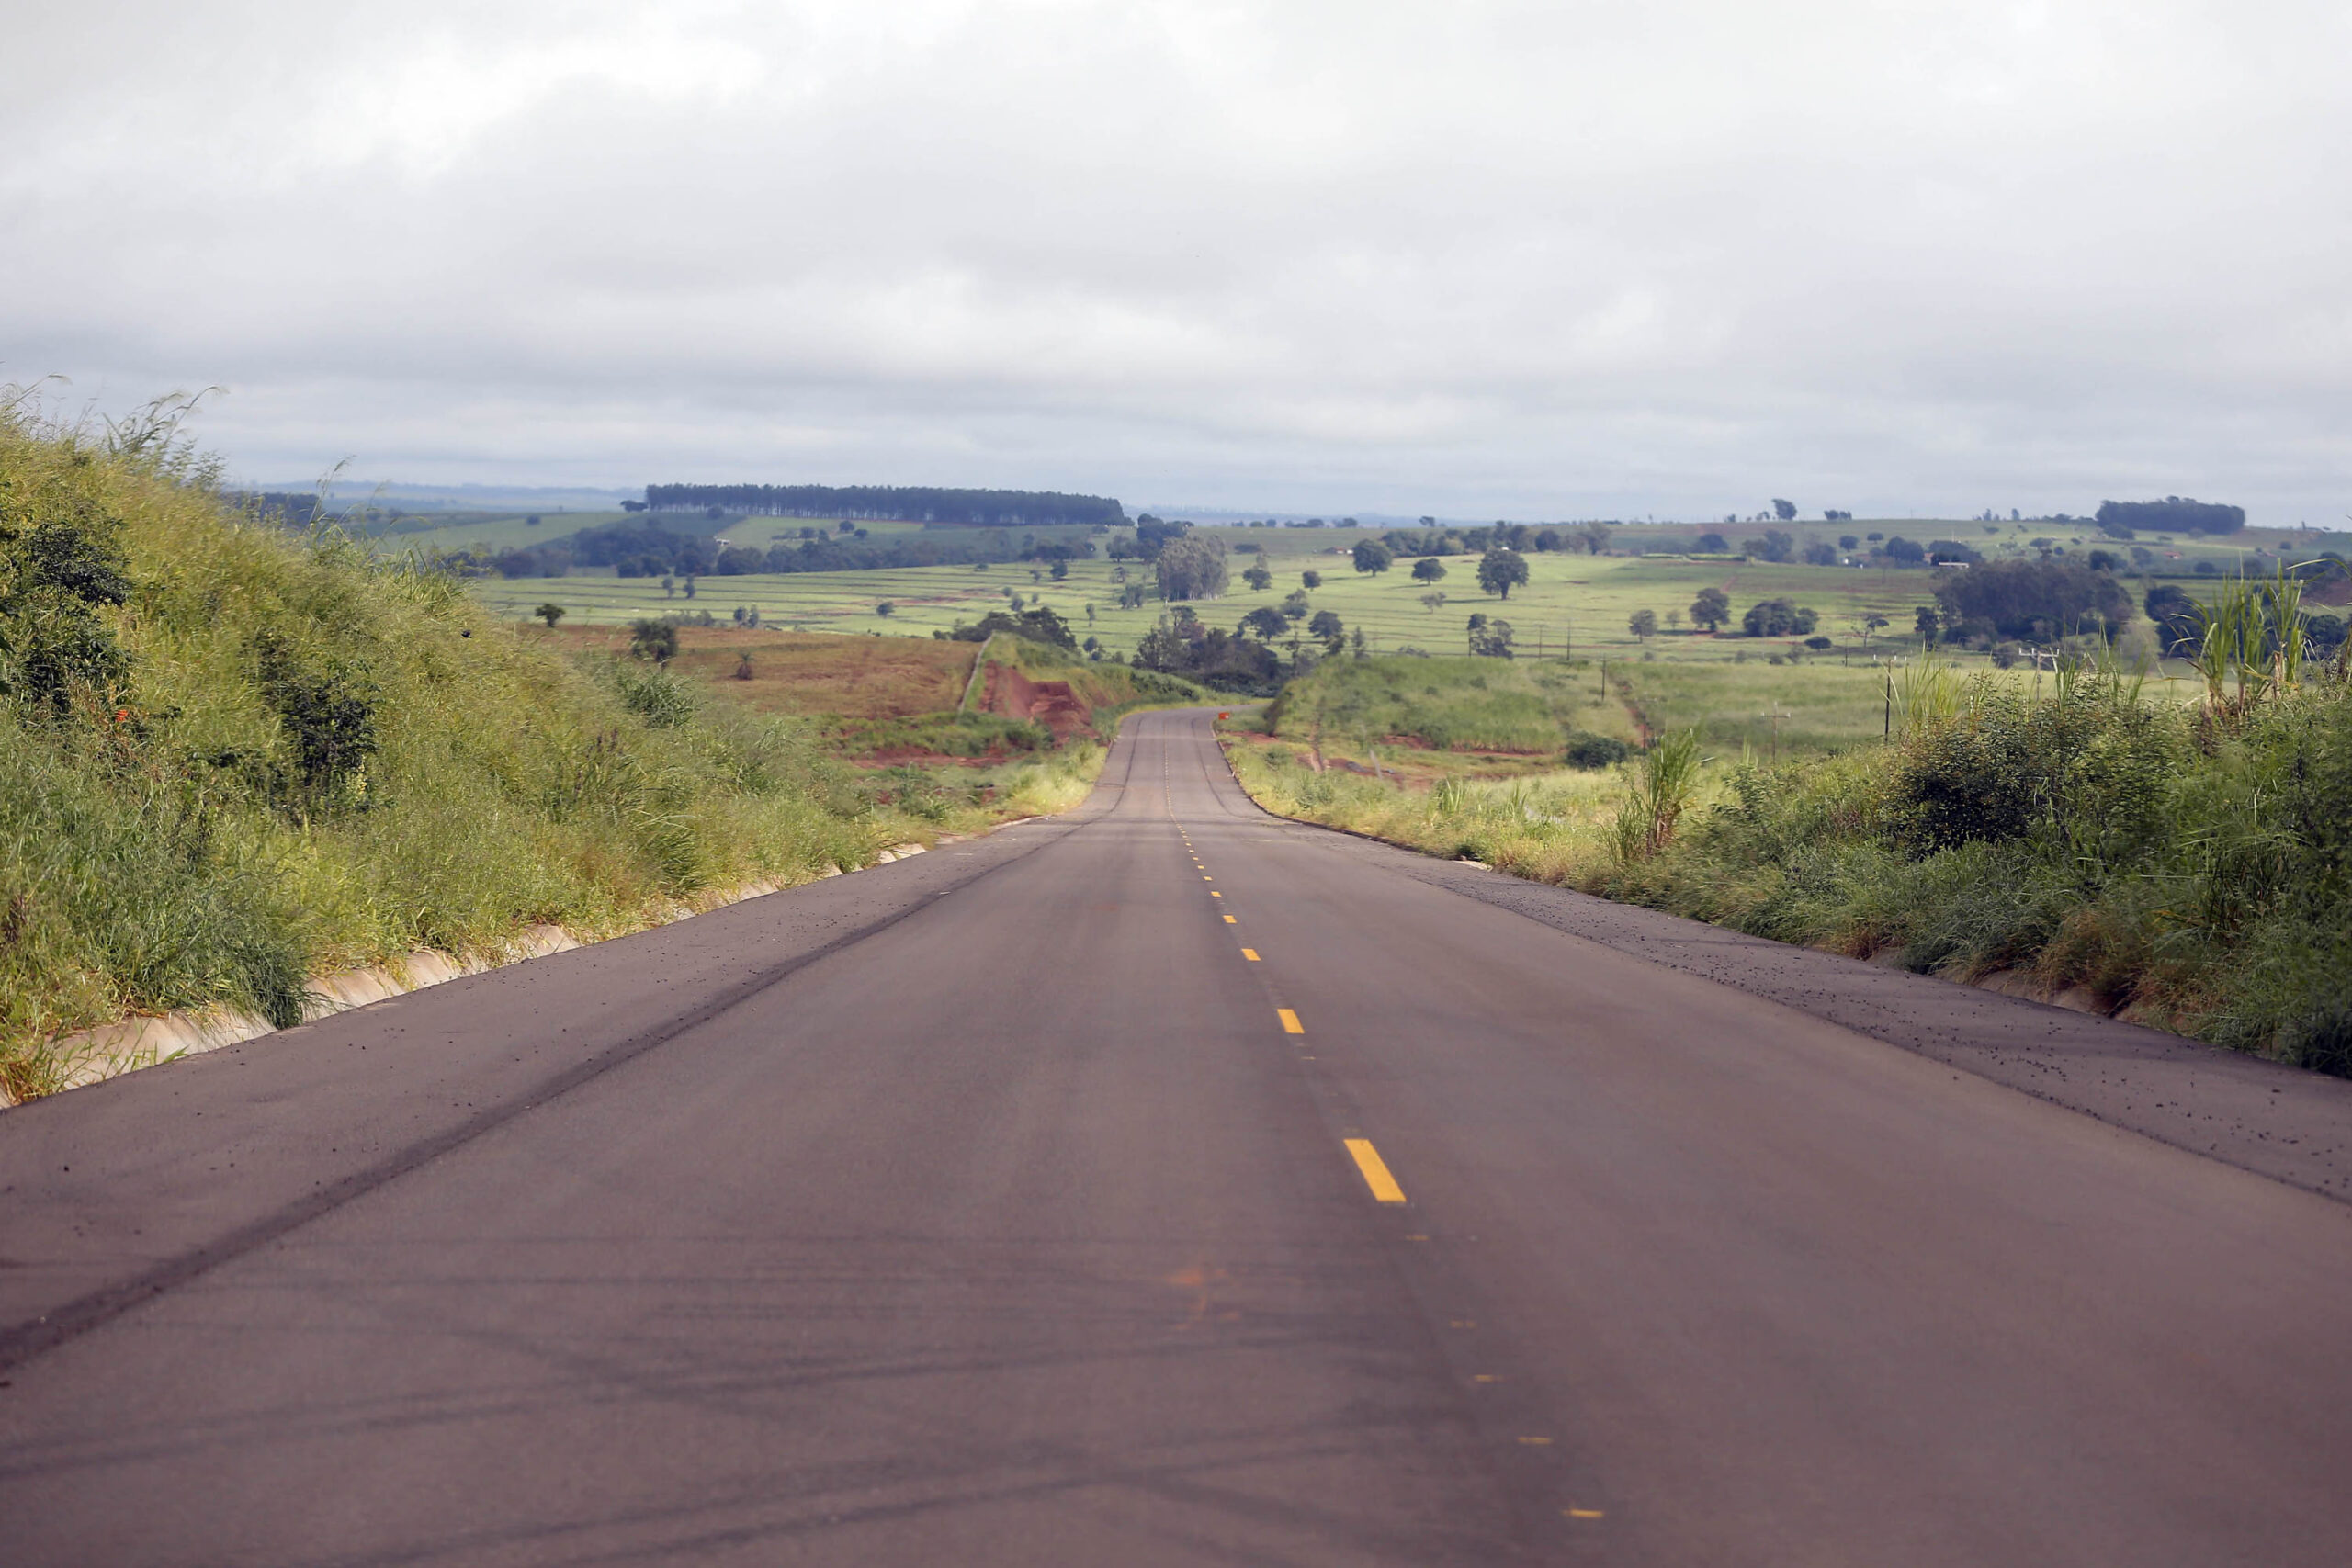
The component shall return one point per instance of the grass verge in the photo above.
(2186, 864)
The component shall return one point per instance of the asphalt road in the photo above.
(1160, 1185)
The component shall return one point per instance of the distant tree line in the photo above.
(644, 547)
(2041, 600)
(911, 504)
(296, 509)
(1182, 644)
(1525, 538)
(2173, 514)
(1040, 624)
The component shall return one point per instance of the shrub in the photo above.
(653, 639)
(1588, 750)
(1777, 617)
(60, 564)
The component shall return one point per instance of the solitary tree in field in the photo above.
(1786, 511)
(656, 640)
(1090, 612)
(1371, 556)
(1434, 603)
(1778, 617)
(1060, 572)
(1674, 619)
(1429, 569)
(1596, 536)
(1326, 626)
(1643, 624)
(550, 613)
(1924, 621)
(886, 608)
(690, 585)
(1499, 572)
(1266, 622)
(1490, 639)
(1191, 568)
(669, 586)
(1711, 609)
(1259, 577)
(1312, 580)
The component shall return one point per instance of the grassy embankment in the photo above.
(232, 758)
(2185, 861)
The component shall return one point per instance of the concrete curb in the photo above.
(111, 1050)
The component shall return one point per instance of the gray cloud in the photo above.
(1481, 259)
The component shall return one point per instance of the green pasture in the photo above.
(1449, 704)
(1577, 605)
(488, 531)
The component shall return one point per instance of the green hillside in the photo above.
(232, 756)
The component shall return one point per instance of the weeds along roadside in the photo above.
(234, 758)
(2186, 865)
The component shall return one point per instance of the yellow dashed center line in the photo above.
(1250, 953)
(1292, 1026)
(1583, 1512)
(1215, 894)
(1231, 921)
(1375, 1172)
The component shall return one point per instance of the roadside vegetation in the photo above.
(235, 755)
(2175, 852)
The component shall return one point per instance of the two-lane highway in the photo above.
(1178, 1186)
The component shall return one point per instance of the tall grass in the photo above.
(279, 754)
(1658, 791)
(2187, 865)
(1446, 702)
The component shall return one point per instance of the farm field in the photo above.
(1776, 713)
(477, 530)
(1572, 605)
(1451, 715)
(808, 673)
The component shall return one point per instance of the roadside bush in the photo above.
(60, 564)
(2006, 764)
(1588, 750)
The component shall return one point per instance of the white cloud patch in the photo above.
(1533, 259)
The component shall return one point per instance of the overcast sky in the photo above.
(1535, 260)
